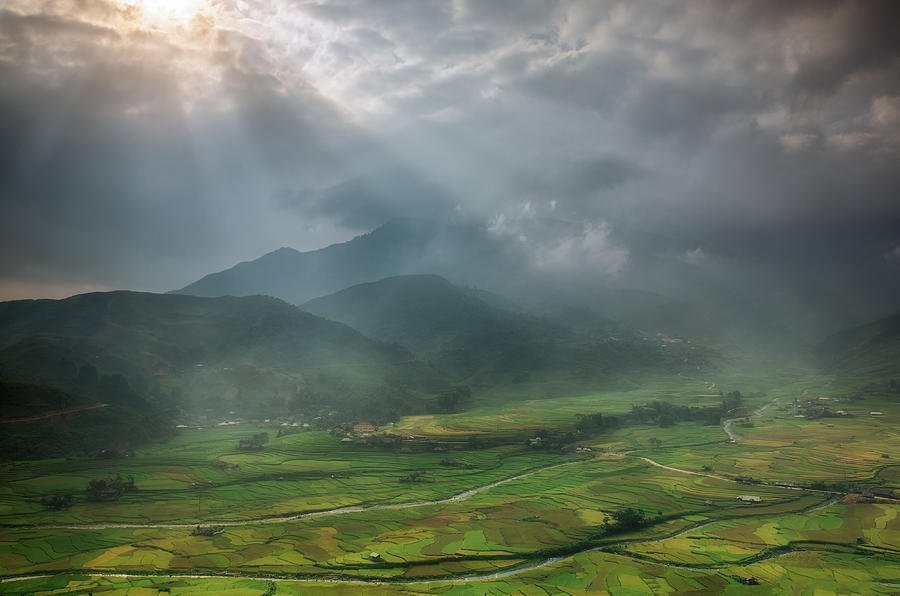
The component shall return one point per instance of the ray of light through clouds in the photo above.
(185, 136)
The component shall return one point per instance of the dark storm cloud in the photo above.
(733, 133)
(109, 176)
(365, 202)
(849, 38)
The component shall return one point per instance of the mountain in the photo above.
(464, 253)
(401, 246)
(38, 421)
(703, 298)
(871, 351)
(421, 312)
(253, 357)
(465, 337)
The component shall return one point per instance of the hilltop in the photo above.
(253, 356)
(400, 246)
(466, 337)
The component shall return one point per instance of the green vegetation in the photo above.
(109, 488)
(254, 443)
(670, 483)
(39, 421)
(866, 355)
(116, 370)
(466, 337)
(605, 520)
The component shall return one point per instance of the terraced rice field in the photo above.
(304, 514)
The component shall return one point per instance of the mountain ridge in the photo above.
(469, 339)
(297, 276)
(254, 354)
(872, 349)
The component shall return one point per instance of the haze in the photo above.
(145, 144)
(449, 296)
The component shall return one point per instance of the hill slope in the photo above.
(38, 421)
(464, 253)
(465, 337)
(871, 350)
(401, 246)
(255, 356)
(418, 311)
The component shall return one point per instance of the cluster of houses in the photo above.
(349, 434)
(819, 408)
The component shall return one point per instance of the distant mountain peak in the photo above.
(401, 246)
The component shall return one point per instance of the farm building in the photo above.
(749, 499)
(876, 413)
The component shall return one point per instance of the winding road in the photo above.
(457, 498)
(397, 582)
(726, 424)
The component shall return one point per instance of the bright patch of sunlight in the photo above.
(179, 10)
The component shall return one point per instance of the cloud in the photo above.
(365, 202)
(893, 255)
(591, 250)
(584, 133)
(560, 246)
(109, 156)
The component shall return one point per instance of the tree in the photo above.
(589, 423)
(450, 400)
(254, 443)
(109, 487)
(626, 519)
(57, 502)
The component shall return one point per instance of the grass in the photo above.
(702, 539)
(295, 473)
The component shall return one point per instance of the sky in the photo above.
(145, 143)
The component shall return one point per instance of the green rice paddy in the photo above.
(541, 529)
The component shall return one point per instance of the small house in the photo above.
(363, 428)
(749, 499)
(876, 413)
(375, 556)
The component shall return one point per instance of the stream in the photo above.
(457, 498)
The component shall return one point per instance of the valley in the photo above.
(449, 297)
(487, 510)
